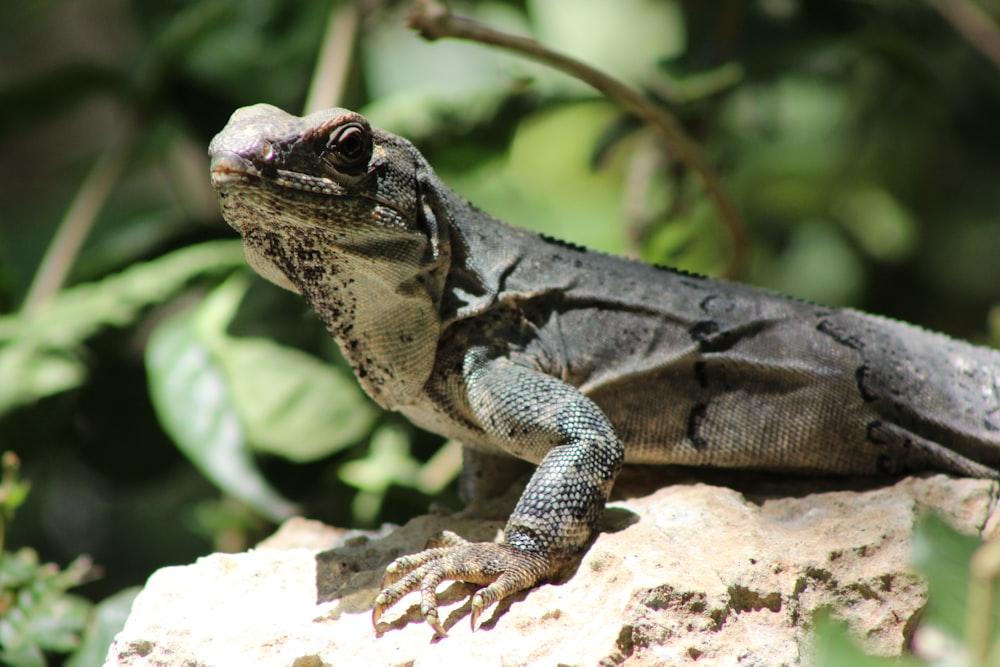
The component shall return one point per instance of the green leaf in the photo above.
(388, 462)
(107, 620)
(624, 38)
(878, 222)
(22, 655)
(39, 351)
(413, 83)
(289, 402)
(192, 400)
(833, 647)
(221, 397)
(943, 556)
(818, 265)
(42, 616)
(56, 622)
(13, 490)
(546, 185)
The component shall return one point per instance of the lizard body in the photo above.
(520, 345)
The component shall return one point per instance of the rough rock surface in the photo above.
(690, 573)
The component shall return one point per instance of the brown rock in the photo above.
(690, 573)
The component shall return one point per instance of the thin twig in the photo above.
(79, 219)
(973, 24)
(330, 75)
(435, 21)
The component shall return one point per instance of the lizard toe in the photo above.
(501, 568)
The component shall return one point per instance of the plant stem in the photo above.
(435, 21)
(974, 24)
(78, 221)
(330, 75)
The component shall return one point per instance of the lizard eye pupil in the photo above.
(349, 147)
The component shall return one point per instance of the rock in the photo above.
(689, 573)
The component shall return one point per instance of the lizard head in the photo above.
(328, 178)
(343, 214)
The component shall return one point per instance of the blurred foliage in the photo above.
(37, 614)
(166, 402)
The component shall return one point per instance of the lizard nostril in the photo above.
(266, 152)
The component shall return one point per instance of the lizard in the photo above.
(520, 345)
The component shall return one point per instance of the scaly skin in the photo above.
(523, 346)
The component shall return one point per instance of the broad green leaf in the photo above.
(833, 647)
(192, 400)
(943, 555)
(36, 372)
(289, 402)
(39, 351)
(107, 620)
(22, 655)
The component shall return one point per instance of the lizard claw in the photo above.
(501, 568)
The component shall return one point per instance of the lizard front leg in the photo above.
(532, 416)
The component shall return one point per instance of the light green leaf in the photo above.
(413, 83)
(190, 394)
(546, 185)
(942, 555)
(43, 617)
(39, 351)
(21, 655)
(625, 38)
(818, 265)
(388, 462)
(289, 402)
(833, 647)
(56, 624)
(878, 222)
(107, 620)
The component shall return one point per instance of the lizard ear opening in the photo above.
(428, 221)
(432, 219)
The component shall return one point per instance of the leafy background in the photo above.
(165, 402)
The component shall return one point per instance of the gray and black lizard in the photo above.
(519, 345)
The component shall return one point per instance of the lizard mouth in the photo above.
(228, 168)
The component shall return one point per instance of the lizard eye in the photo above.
(348, 148)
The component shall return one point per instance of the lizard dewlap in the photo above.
(521, 346)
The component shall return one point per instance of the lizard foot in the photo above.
(501, 568)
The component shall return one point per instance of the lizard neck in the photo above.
(381, 310)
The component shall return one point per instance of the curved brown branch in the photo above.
(974, 24)
(435, 21)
